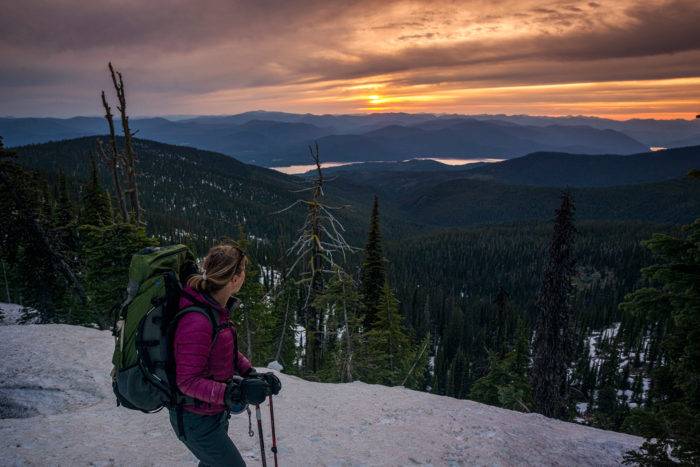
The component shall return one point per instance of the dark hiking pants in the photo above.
(207, 437)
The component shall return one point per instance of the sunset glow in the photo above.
(617, 59)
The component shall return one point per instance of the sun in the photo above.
(376, 99)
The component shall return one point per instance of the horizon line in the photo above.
(358, 114)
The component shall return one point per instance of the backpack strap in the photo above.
(218, 326)
(210, 313)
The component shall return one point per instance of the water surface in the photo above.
(301, 168)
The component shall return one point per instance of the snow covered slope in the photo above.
(56, 377)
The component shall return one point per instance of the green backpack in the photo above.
(143, 377)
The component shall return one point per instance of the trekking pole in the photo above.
(274, 439)
(260, 434)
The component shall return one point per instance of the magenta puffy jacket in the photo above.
(202, 365)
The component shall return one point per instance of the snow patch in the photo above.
(12, 313)
(275, 365)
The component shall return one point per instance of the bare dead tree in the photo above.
(320, 238)
(130, 158)
(112, 159)
(425, 346)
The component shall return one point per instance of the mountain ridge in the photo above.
(545, 168)
(259, 138)
(175, 178)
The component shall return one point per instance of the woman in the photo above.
(209, 368)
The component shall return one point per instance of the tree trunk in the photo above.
(7, 285)
(348, 340)
(129, 154)
(112, 160)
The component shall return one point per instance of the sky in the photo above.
(616, 59)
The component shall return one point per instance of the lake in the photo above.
(301, 168)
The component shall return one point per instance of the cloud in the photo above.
(295, 53)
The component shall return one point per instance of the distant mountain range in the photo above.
(278, 139)
(659, 133)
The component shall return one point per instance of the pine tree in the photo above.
(673, 303)
(96, 207)
(607, 407)
(419, 377)
(506, 384)
(373, 273)
(65, 211)
(35, 242)
(284, 325)
(552, 344)
(254, 316)
(457, 376)
(387, 352)
(12, 229)
(107, 252)
(423, 320)
(453, 339)
(342, 306)
(503, 323)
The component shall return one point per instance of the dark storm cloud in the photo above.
(79, 25)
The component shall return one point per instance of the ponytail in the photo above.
(221, 263)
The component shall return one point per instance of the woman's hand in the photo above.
(248, 391)
(273, 382)
(270, 378)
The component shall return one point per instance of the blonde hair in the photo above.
(221, 263)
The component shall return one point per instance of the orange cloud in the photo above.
(616, 59)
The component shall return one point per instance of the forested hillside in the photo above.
(560, 169)
(453, 199)
(193, 195)
(553, 169)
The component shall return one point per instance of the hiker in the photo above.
(210, 369)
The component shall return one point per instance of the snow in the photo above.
(275, 365)
(258, 239)
(60, 375)
(300, 342)
(271, 273)
(595, 339)
(11, 313)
